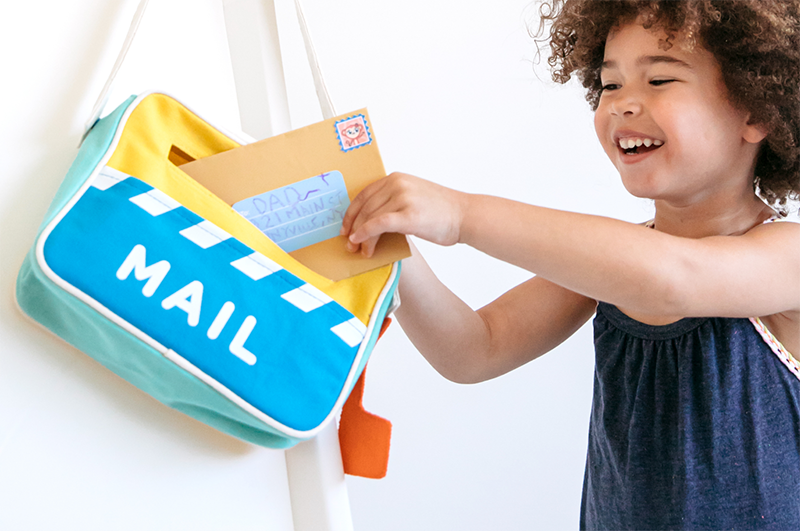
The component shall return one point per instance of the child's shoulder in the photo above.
(778, 227)
(778, 237)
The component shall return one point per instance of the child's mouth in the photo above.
(637, 146)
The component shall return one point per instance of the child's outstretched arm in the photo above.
(469, 346)
(628, 265)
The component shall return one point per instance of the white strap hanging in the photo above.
(102, 99)
(324, 99)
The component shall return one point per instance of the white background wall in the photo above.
(454, 97)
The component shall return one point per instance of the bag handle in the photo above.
(324, 99)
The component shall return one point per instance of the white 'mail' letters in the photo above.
(136, 262)
(189, 299)
(221, 320)
(237, 345)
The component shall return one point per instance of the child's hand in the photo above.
(405, 204)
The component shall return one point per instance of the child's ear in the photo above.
(754, 133)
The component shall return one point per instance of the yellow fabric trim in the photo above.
(156, 124)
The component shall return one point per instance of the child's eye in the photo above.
(610, 86)
(659, 82)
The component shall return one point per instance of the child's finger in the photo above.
(365, 238)
(352, 247)
(357, 204)
(369, 234)
(373, 206)
(367, 229)
(383, 222)
(368, 247)
(353, 210)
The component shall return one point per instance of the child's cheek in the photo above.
(601, 129)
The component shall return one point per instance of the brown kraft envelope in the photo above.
(345, 143)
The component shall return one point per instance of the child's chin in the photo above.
(640, 188)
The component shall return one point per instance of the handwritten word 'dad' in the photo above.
(299, 214)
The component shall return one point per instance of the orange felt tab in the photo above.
(364, 437)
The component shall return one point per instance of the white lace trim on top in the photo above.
(777, 347)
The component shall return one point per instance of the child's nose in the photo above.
(626, 105)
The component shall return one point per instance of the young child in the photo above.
(696, 413)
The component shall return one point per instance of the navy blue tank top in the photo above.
(694, 425)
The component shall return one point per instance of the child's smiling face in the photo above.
(673, 105)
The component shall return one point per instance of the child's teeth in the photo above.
(629, 143)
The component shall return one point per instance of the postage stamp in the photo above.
(353, 132)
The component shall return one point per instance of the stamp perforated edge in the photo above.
(366, 128)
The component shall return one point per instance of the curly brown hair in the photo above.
(755, 42)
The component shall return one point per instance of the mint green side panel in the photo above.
(92, 150)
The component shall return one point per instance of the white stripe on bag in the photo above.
(205, 234)
(306, 297)
(155, 202)
(256, 266)
(351, 332)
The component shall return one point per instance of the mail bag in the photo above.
(163, 283)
